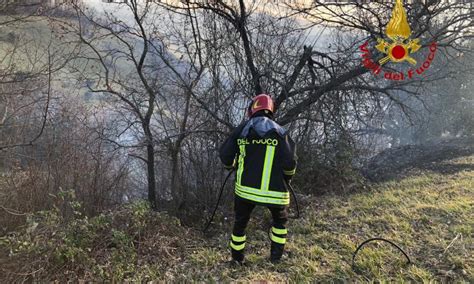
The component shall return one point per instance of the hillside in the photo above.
(430, 215)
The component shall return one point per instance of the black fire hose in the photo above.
(296, 200)
(218, 201)
(378, 239)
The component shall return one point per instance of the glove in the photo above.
(231, 167)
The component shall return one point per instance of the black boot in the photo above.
(276, 252)
(237, 255)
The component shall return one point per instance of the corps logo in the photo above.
(397, 48)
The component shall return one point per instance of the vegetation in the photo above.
(105, 105)
(148, 90)
(429, 214)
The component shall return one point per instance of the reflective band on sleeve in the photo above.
(267, 167)
(241, 163)
(260, 199)
(237, 247)
(277, 240)
(290, 173)
(238, 239)
(280, 231)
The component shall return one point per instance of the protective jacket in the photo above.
(264, 155)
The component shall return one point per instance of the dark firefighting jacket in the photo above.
(264, 155)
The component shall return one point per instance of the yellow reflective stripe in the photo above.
(237, 247)
(267, 167)
(238, 239)
(268, 193)
(279, 231)
(268, 200)
(241, 164)
(290, 173)
(277, 240)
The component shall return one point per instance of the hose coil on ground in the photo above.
(378, 239)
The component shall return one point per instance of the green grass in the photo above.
(430, 215)
(423, 214)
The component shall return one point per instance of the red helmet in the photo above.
(261, 102)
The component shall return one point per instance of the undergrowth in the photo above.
(430, 215)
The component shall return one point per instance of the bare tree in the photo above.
(321, 87)
(111, 46)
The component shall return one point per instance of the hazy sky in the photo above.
(317, 33)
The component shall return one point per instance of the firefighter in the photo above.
(264, 155)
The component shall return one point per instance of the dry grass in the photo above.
(430, 215)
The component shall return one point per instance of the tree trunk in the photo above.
(176, 188)
(150, 167)
(151, 176)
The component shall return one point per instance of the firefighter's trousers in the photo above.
(243, 210)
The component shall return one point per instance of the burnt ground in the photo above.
(408, 160)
